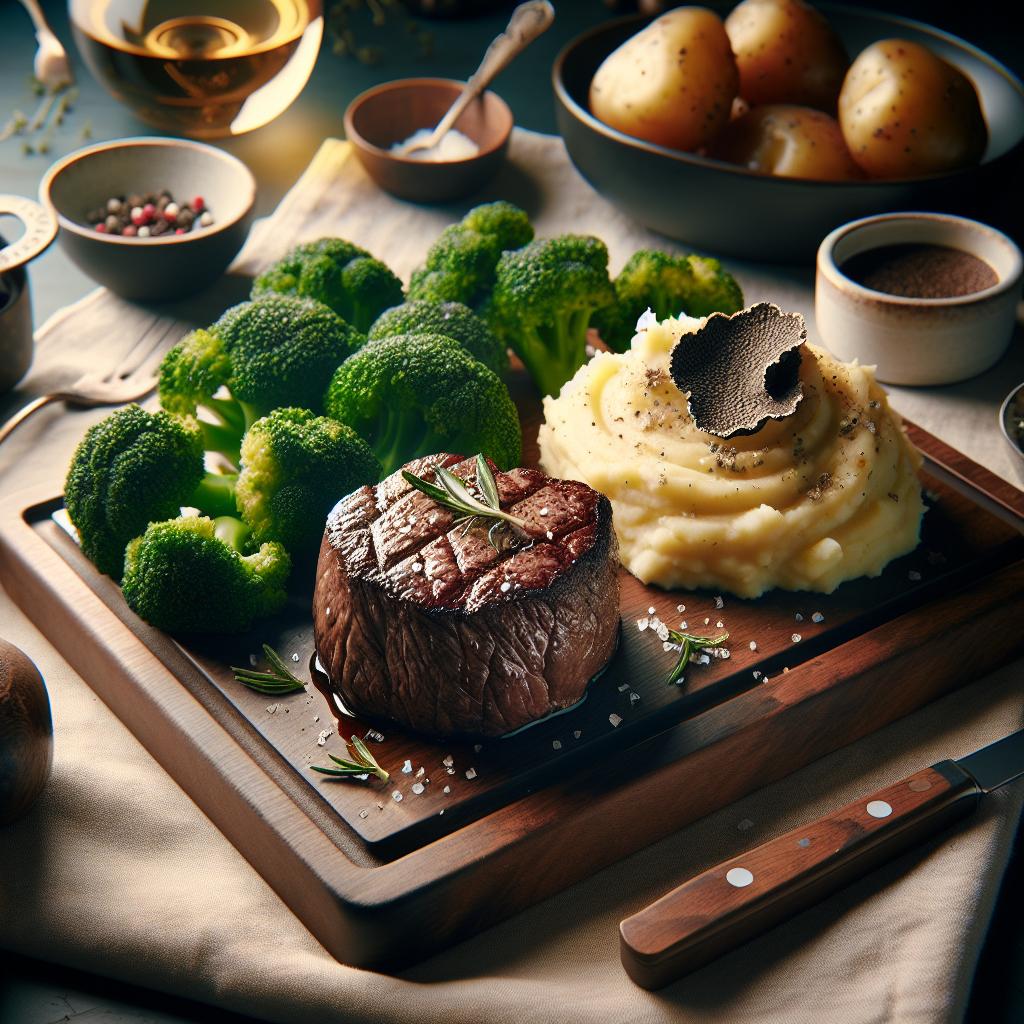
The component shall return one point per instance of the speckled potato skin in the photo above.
(672, 84)
(905, 112)
(791, 142)
(786, 52)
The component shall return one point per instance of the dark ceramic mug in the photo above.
(15, 297)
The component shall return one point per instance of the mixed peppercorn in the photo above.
(150, 214)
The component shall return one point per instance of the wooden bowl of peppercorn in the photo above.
(151, 218)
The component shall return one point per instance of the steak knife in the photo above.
(725, 906)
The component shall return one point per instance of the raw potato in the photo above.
(672, 83)
(792, 142)
(906, 112)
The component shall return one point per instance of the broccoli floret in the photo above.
(130, 469)
(189, 575)
(411, 395)
(295, 467)
(510, 225)
(353, 283)
(453, 320)
(283, 351)
(460, 264)
(191, 375)
(714, 291)
(544, 297)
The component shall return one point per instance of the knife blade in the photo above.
(742, 897)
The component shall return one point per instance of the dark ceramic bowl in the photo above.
(151, 269)
(390, 113)
(724, 208)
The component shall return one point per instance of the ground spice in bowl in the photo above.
(916, 271)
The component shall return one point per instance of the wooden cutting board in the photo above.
(468, 834)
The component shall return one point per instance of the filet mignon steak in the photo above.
(423, 623)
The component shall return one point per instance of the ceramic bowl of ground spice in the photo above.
(928, 298)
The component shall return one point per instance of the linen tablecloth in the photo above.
(116, 871)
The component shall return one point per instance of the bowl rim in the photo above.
(829, 269)
(1003, 407)
(394, 84)
(154, 142)
(584, 116)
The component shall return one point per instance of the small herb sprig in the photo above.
(688, 645)
(358, 761)
(454, 495)
(276, 683)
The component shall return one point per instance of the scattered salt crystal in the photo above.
(706, 621)
(505, 587)
(420, 772)
(471, 774)
(753, 645)
(447, 789)
(380, 807)
(440, 812)
(721, 653)
(662, 631)
(642, 624)
(544, 512)
(407, 767)
(719, 624)
(623, 687)
(796, 638)
(667, 645)
(719, 603)
(913, 575)
(417, 788)
(634, 698)
(450, 771)
(556, 744)
(757, 674)
(651, 611)
(373, 734)
(577, 733)
(704, 659)
(328, 610)
(295, 657)
(680, 608)
(448, 760)
(616, 720)
(271, 708)
(417, 567)
(412, 519)
(549, 535)
(253, 660)
(798, 617)
(363, 813)
(396, 796)
(322, 738)
(684, 625)
(817, 617)
(316, 718)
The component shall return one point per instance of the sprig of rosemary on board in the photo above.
(688, 645)
(454, 495)
(358, 761)
(276, 683)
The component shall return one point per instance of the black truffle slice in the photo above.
(740, 371)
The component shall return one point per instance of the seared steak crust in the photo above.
(421, 623)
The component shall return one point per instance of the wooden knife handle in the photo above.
(731, 903)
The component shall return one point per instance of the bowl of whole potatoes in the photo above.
(754, 129)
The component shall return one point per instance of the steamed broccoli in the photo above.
(189, 575)
(295, 467)
(337, 273)
(283, 351)
(451, 319)
(411, 395)
(460, 264)
(667, 285)
(191, 375)
(130, 469)
(544, 297)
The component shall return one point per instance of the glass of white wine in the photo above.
(203, 68)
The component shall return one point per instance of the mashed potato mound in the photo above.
(826, 495)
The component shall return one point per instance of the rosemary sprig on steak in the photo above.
(276, 683)
(688, 645)
(359, 761)
(471, 510)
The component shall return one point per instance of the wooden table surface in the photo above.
(32, 992)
